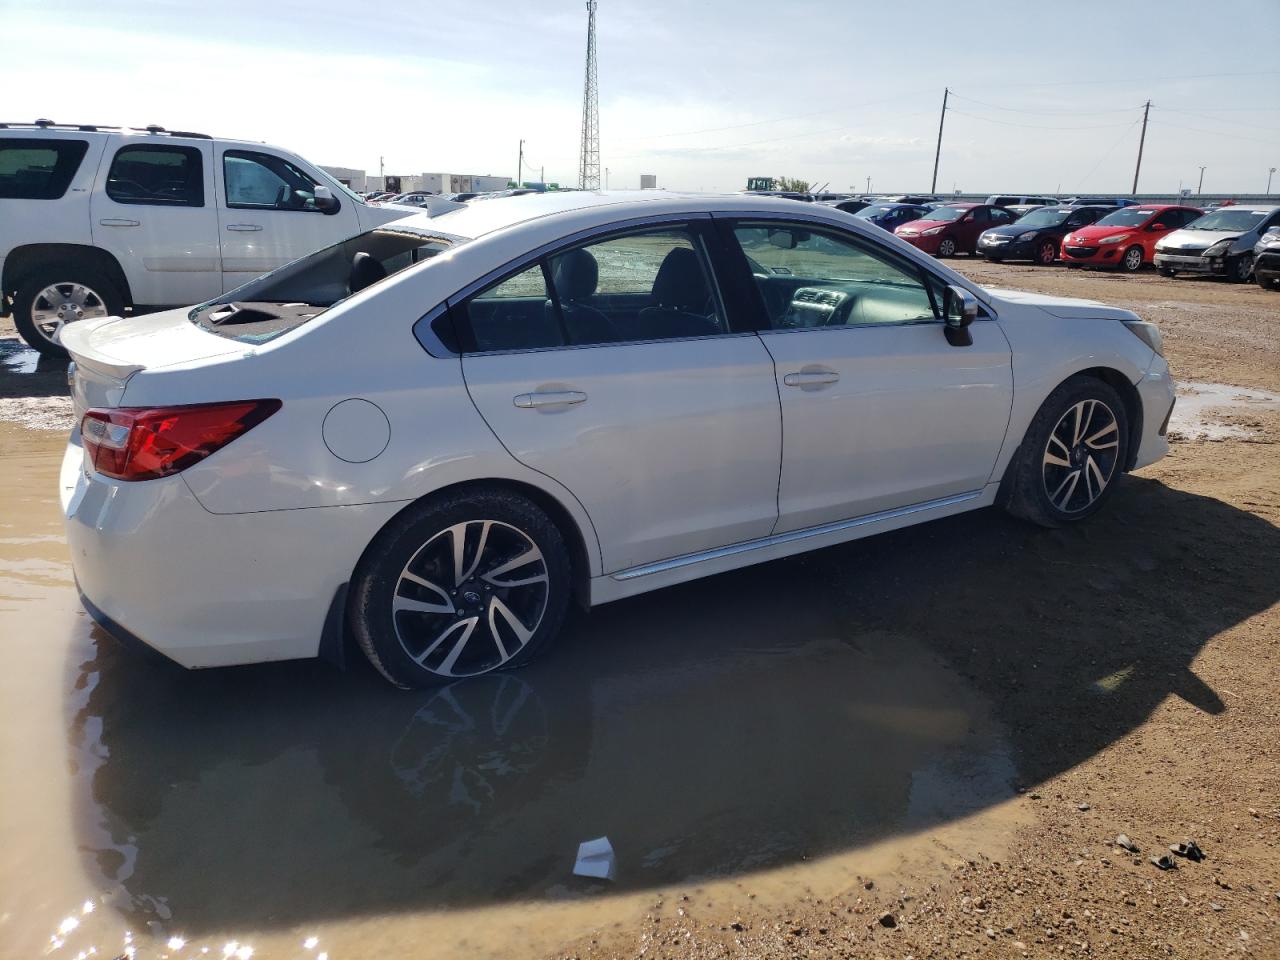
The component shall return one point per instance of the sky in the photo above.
(1045, 96)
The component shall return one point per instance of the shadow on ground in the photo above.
(784, 712)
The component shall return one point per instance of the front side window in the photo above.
(38, 169)
(263, 181)
(809, 278)
(649, 285)
(157, 175)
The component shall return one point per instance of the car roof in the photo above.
(477, 219)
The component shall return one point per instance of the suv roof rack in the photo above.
(43, 124)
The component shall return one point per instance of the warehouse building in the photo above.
(418, 183)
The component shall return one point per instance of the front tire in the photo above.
(1266, 281)
(1165, 272)
(946, 248)
(460, 586)
(1046, 253)
(54, 296)
(1072, 455)
(1131, 262)
(1239, 268)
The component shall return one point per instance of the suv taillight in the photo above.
(143, 443)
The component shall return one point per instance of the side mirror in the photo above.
(326, 202)
(1158, 228)
(960, 309)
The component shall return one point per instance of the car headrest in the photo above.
(365, 271)
(680, 283)
(576, 275)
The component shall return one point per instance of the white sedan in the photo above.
(431, 437)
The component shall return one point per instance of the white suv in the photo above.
(95, 219)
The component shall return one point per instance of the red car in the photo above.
(1125, 239)
(953, 227)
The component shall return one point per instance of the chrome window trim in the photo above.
(792, 536)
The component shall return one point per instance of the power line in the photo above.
(1219, 133)
(1065, 113)
(1036, 126)
(1110, 150)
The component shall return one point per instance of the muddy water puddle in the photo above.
(1213, 411)
(730, 746)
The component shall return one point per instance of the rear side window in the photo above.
(38, 169)
(156, 175)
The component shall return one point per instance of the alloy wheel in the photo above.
(1047, 253)
(947, 248)
(470, 598)
(1133, 259)
(1081, 455)
(61, 303)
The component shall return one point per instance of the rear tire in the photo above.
(425, 615)
(1131, 261)
(1046, 253)
(1071, 456)
(59, 294)
(1266, 281)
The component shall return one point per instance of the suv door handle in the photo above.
(244, 227)
(109, 222)
(527, 401)
(810, 378)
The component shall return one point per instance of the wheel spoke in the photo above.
(458, 532)
(1070, 482)
(78, 295)
(469, 627)
(420, 606)
(1091, 469)
(498, 608)
(532, 555)
(1109, 429)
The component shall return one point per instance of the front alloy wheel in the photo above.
(946, 247)
(1046, 253)
(1080, 456)
(1239, 268)
(1132, 261)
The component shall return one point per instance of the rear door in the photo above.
(266, 203)
(879, 410)
(152, 208)
(612, 367)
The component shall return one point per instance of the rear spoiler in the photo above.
(75, 337)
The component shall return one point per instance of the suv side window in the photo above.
(263, 181)
(653, 284)
(813, 278)
(158, 175)
(38, 169)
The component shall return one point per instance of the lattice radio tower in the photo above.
(589, 154)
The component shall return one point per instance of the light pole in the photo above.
(868, 184)
(1269, 173)
(1200, 186)
(606, 178)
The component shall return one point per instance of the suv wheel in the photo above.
(1072, 454)
(52, 297)
(459, 587)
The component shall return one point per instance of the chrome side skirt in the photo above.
(792, 536)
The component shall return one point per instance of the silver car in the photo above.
(1219, 243)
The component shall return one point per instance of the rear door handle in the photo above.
(110, 222)
(809, 378)
(244, 227)
(527, 401)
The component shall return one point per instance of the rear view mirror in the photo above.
(325, 200)
(782, 239)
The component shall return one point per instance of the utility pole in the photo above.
(1141, 141)
(520, 165)
(589, 152)
(1200, 186)
(946, 92)
(606, 178)
(542, 175)
(382, 174)
(1269, 173)
(868, 184)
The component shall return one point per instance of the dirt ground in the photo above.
(790, 725)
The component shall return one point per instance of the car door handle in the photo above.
(110, 222)
(244, 227)
(809, 378)
(527, 401)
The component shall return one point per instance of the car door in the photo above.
(152, 208)
(266, 204)
(879, 410)
(611, 366)
(970, 225)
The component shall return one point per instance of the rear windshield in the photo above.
(286, 298)
(41, 169)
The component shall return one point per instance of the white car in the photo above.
(437, 433)
(97, 219)
(1221, 242)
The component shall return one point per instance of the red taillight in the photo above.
(142, 443)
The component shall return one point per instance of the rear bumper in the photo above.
(207, 589)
